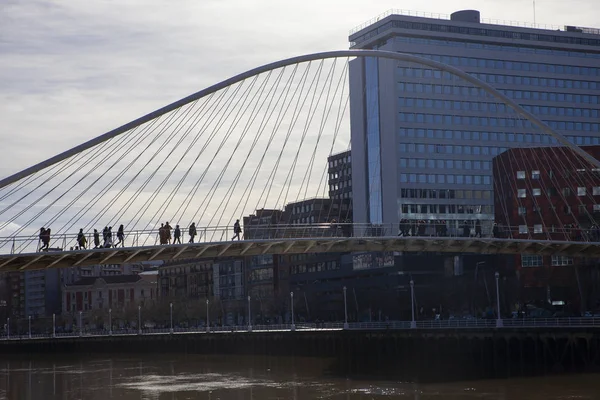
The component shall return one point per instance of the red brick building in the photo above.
(547, 193)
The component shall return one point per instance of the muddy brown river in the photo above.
(236, 378)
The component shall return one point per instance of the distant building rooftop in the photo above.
(110, 279)
(490, 21)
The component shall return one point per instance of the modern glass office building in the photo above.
(423, 139)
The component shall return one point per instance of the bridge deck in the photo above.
(63, 259)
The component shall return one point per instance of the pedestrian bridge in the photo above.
(273, 144)
(485, 245)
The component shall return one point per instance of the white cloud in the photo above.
(72, 70)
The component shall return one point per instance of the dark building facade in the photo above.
(186, 279)
(548, 193)
(263, 224)
(340, 184)
(378, 285)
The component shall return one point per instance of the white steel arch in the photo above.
(290, 61)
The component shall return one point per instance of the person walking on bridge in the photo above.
(96, 239)
(108, 239)
(44, 238)
(104, 236)
(237, 229)
(177, 235)
(168, 232)
(121, 236)
(81, 240)
(192, 232)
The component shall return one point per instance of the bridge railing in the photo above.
(406, 229)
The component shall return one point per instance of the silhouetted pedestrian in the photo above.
(44, 238)
(478, 228)
(81, 240)
(96, 239)
(162, 234)
(466, 229)
(104, 235)
(177, 235)
(237, 229)
(108, 239)
(192, 232)
(168, 232)
(121, 236)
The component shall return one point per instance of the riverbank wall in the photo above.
(420, 355)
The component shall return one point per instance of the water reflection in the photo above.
(229, 378)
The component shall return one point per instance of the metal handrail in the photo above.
(422, 14)
(513, 323)
(422, 229)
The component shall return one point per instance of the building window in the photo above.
(560, 261)
(537, 228)
(522, 211)
(535, 174)
(596, 207)
(521, 193)
(581, 191)
(552, 191)
(596, 191)
(523, 229)
(520, 174)
(531, 260)
(582, 209)
(537, 192)
(566, 192)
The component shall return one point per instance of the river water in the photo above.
(236, 378)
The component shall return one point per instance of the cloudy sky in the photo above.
(71, 70)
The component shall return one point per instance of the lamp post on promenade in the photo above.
(292, 306)
(171, 308)
(499, 322)
(345, 310)
(413, 323)
(207, 318)
(249, 316)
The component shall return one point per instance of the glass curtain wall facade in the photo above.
(446, 131)
(373, 140)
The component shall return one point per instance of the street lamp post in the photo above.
(110, 321)
(80, 323)
(345, 310)
(292, 305)
(139, 320)
(249, 316)
(413, 323)
(207, 318)
(499, 322)
(29, 327)
(53, 325)
(171, 308)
